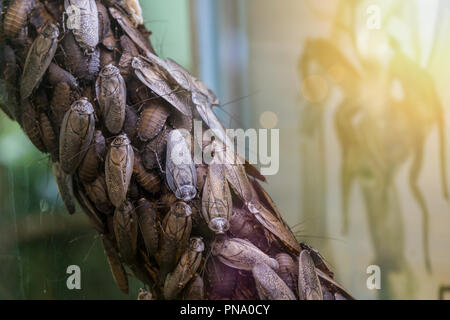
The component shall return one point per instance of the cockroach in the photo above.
(148, 224)
(288, 271)
(221, 279)
(83, 21)
(334, 284)
(241, 254)
(148, 180)
(31, 126)
(48, 136)
(156, 77)
(216, 200)
(130, 126)
(126, 231)
(269, 285)
(176, 230)
(16, 16)
(180, 169)
(112, 97)
(96, 191)
(195, 290)
(9, 76)
(56, 75)
(129, 51)
(39, 57)
(61, 102)
(81, 66)
(185, 269)
(119, 168)
(65, 187)
(309, 287)
(319, 261)
(134, 191)
(152, 119)
(96, 217)
(77, 132)
(139, 93)
(128, 27)
(202, 174)
(106, 35)
(144, 295)
(117, 269)
(90, 166)
(40, 17)
(244, 226)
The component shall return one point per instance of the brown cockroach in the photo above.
(83, 67)
(119, 168)
(112, 97)
(185, 269)
(216, 200)
(83, 21)
(106, 36)
(155, 76)
(48, 136)
(195, 290)
(148, 224)
(61, 101)
(202, 174)
(96, 217)
(269, 285)
(244, 226)
(144, 295)
(90, 166)
(40, 17)
(128, 27)
(117, 269)
(126, 231)
(176, 230)
(96, 191)
(77, 132)
(241, 254)
(309, 287)
(148, 180)
(65, 187)
(288, 271)
(129, 51)
(39, 57)
(319, 261)
(152, 119)
(180, 169)
(130, 126)
(31, 126)
(16, 16)
(56, 75)
(221, 279)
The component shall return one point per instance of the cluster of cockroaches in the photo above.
(84, 83)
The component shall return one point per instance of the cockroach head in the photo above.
(50, 31)
(219, 225)
(83, 106)
(109, 71)
(181, 209)
(196, 244)
(121, 141)
(137, 63)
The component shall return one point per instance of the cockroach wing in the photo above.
(65, 187)
(148, 225)
(241, 254)
(130, 30)
(195, 290)
(38, 60)
(216, 200)
(126, 231)
(326, 278)
(111, 95)
(269, 285)
(309, 287)
(77, 132)
(180, 169)
(117, 269)
(155, 77)
(118, 169)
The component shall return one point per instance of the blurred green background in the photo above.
(248, 51)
